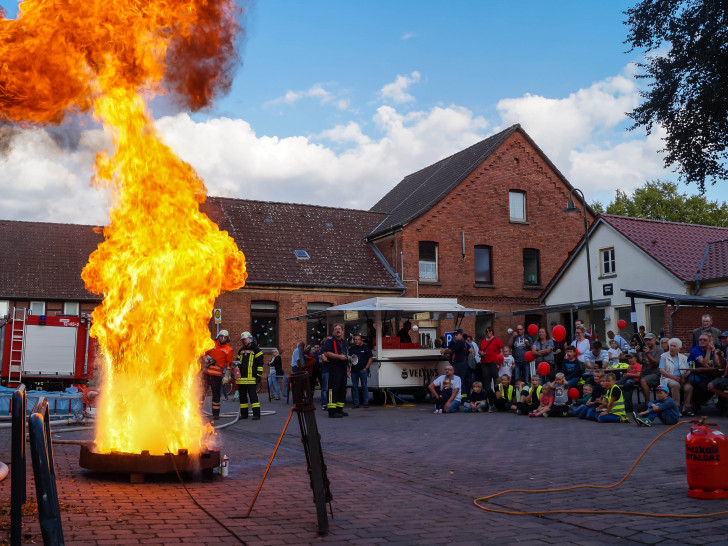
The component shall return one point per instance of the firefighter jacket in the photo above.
(250, 363)
(223, 356)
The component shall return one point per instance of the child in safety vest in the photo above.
(613, 411)
(505, 394)
(663, 408)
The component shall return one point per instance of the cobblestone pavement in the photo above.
(398, 476)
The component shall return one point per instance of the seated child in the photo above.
(507, 367)
(664, 407)
(443, 395)
(614, 353)
(560, 390)
(630, 379)
(546, 400)
(571, 367)
(505, 394)
(477, 401)
(613, 410)
(530, 397)
(586, 391)
(589, 409)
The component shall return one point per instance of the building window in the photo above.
(517, 203)
(37, 308)
(4, 308)
(316, 327)
(264, 322)
(428, 261)
(608, 264)
(71, 308)
(531, 267)
(483, 264)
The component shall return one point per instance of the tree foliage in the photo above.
(660, 200)
(686, 42)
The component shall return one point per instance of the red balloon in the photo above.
(499, 359)
(529, 356)
(573, 393)
(544, 369)
(621, 323)
(532, 329)
(558, 333)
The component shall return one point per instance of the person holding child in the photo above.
(664, 408)
(452, 403)
(477, 401)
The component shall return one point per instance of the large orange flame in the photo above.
(163, 262)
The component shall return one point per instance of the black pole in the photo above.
(41, 451)
(17, 470)
(303, 406)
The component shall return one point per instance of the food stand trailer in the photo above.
(400, 367)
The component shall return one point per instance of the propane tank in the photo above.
(706, 458)
(225, 466)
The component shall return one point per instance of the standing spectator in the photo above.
(360, 371)
(520, 343)
(674, 368)
(582, 345)
(614, 353)
(490, 348)
(621, 342)
(452, 404)
(706, 328)
(298, 361)
(317, 369)
(334, 349)
(476, 356)
(578, 323)
(650, 357)
(508, 363)
(458, 351)
(403, 333)
(559, 353)
(310, 361)
(324, 379)
(543, 350)
(275, 374)
(220, 358)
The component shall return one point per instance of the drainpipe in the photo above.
(677, 306)
(700, 269)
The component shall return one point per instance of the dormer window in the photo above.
(301, 255)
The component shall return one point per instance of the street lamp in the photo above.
(571, 208)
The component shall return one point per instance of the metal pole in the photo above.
(17, 470)
(588, 267)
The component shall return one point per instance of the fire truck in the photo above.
(47, 353)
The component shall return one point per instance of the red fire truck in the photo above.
(46, 352)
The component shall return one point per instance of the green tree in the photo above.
(660, 200)
(687, 63)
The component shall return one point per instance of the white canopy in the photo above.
(409, 305)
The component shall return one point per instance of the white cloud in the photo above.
(397, 90)
(408, 35)
(316, 92)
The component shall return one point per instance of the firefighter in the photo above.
(250, 363)
(220, 357)
(334, 348)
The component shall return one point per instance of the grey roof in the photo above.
(673, 299)
(419, 192)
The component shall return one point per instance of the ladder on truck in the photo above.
(17, 346)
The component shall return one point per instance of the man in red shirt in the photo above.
(219, 358)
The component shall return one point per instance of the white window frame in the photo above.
(429, 271)
(4, 308)
(67, 308)
(32, 303)
(517, 205)
(607, 266)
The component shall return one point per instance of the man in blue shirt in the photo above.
(360, 371)
(703, 360)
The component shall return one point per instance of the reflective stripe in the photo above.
(618, 407)
(256, 404)
(244, 405)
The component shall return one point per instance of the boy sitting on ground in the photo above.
(586, 391)
(589, 409)
(560, 388)
(613, 411)
(664, 408)
(505, 395)
(530, 397)
(545, 401)
(476, 401)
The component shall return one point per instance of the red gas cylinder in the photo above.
(706, 457)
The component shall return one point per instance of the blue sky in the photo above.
(336, 101)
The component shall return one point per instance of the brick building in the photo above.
(485, 225)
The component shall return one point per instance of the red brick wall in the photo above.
(688, 318)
